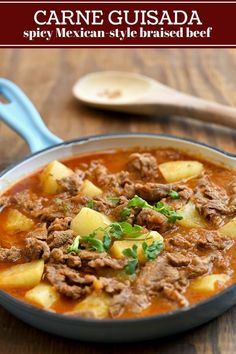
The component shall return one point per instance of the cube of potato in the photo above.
(118, 247)
(24, 275)
(16, 221)
(51, 174)
(175, 171)
(191, 217)
(42, 294)
(229, 229)
(95, 305)
(88, 220)
(90, 190)
(208, 282)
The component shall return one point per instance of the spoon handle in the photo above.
(206, 111)
(172, 102)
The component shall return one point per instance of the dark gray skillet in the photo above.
(20, 114)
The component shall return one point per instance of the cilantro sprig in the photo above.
(74, 247)
(166, 210)
(173, 194)
(94, 243)
(116, 230)
(113, 200)
(131, 253)
(90, 204)
(151, 251)
(161, 207)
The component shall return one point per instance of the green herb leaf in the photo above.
(95, 244)
(90, 204)
(115, 230)
(74, 247)
(166, 210)
(113, 200)
(106, 241)
(131, 231)
(136, 201)
(173, 194)
(152, 251)
(131, 252)
(125, 213)
(133, 261)
(162, 208)
(131, 266)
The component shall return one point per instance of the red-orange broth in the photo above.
(116, 161)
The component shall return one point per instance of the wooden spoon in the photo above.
(134, 93)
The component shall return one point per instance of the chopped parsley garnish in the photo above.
(152, 251)
(94, 243)
(173, 194)
(136, 201)
(131, 266)
(74, 247)
(131, 253)
(113, 200)
(161, 207)
(125, 213)
(106, 241)
(166, 210)
(90, 204)
(131, 231)
(116, 230)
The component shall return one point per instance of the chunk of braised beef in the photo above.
(199, 266)
(211, 201)
(232, 201)
(184, 195)
(176, 259)
(60, 224)
(61, 208)
(58, 255)
(117, 211)
(101, 260)
(118, 183)
(72, 183)
(122, 301)
(58, 239)
(112, 286)
(212, 240)
(171, 293)
(103, 205)
(143, 165)
(25, 200)
(36, 249)
(69, 282)
(179, 242)
(40, 232)
(106, 261)
(154, 192)
(12, 254)
(153, 220)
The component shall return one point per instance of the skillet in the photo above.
(21, 115)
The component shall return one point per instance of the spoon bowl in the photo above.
(112, 88)
(139, 94)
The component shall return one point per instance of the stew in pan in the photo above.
(120, 233)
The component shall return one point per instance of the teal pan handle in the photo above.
(20, 114)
